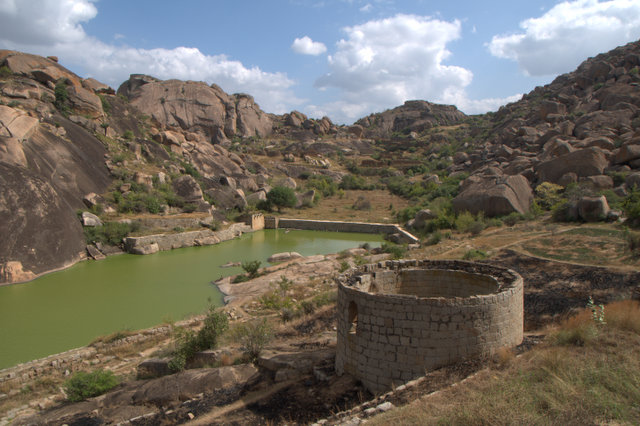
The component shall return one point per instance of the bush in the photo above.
(215, 324)
(355, 182)
(253, 337)
(474, 254)
(106, 106)
(110, 233)
(396, 251)
(362, 204)
(631, 206)
(633, 242)
(548, 195)
(251, 268)
(281, 196)
(128, 135)
(513, 218)
(5, 71)
(62, 97)
(434, 239)
(464, 221)
(277, 298)
(83, 385)
(307, 307)
(323, 184)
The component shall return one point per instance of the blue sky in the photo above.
(341, 58)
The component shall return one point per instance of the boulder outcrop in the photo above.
(494, 195)
(197, 107)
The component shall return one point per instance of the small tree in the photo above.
(251, 268)
(281, 196)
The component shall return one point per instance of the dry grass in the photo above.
(596, 382)
(341, 208)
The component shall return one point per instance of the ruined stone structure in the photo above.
(397, 319)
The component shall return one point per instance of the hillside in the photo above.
(171, 147)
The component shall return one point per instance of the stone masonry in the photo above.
(398, 319)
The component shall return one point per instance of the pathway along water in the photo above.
(68, 309)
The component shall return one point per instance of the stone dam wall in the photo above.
(153, 243)
(338, 226)
(398, 319)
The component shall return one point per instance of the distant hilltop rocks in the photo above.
(413, 116)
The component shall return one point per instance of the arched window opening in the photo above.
(353, 317)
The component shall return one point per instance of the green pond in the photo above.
(70, 308)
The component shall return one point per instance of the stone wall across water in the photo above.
(339, 226)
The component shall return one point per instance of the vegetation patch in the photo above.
(83, 385)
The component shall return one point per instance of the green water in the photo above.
(70, 308)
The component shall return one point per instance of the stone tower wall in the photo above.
(397, 319)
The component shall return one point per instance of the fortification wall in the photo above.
(338, 226)
(397, 319)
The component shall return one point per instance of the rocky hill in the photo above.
(584, 127)
(166, 147)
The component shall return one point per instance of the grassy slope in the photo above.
(584, 373)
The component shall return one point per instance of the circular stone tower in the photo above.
(398, 319)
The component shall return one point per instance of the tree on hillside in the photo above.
(281, 196)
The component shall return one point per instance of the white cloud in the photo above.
(571, 31)
(366, 8)
(54, 27)
(382, 63)
(45, 22)
(306, 46)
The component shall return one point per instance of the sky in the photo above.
(341, 58)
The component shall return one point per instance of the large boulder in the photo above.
(186, 187)
(593, 209)
(495, 195)
(583, 162)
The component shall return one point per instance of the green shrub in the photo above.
(190, 170)
(253, 337)
(189, 343)
(548, 195)
(325, 298)
(83, 385)
(128, 135)
(110, 233)
(281, 196)
(434, 238)
(323, 184)
(62, 97)
(397, 251)
(513, 218)
(5, 71)
(355, 182)
(474, 254)
(344, 265)
(277, 298)
(251, 268)
(464, 221)
(106, 106)
(631, 206)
